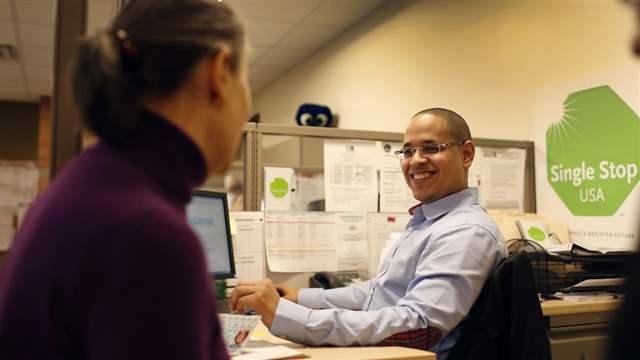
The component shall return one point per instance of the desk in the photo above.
(564, 307)
(357, 352)
(579, 330)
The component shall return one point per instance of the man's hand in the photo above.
(260, 296)
(288, 293)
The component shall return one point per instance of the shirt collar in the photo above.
(438, 208)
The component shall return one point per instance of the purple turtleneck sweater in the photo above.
(105, 265)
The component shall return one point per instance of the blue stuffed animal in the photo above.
(314, 115)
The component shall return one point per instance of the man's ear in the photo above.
(468, 153)
(220, 73)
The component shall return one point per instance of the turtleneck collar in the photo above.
(168, 156)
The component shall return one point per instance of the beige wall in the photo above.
(484, 59)
(18, 131)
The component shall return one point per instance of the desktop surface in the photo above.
(566, 307)
(261, 335)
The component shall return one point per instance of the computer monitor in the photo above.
(208, 213)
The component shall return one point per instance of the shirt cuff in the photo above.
(289, 321)
(310, 298)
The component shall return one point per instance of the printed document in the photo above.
(395, 195)
(316, 241)
(248, 245)
(18, 183)
(379, 228)
(498, 173)
(350, 176)
(300, 241)
(351, 249)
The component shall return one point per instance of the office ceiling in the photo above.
(282, 33)
(27, 24)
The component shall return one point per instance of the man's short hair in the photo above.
(456, 125)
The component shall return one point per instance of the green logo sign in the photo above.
(593, 152)
(279, 187)
(536, 233)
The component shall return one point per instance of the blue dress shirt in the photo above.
(429, 278)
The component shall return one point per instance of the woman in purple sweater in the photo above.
(105, 265)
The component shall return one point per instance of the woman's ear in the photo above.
(220, 73)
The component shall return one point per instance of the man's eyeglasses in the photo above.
(407, 152)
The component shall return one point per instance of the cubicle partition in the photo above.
(301, 148)
(242, 169)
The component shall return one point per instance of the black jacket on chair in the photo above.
(506, 321)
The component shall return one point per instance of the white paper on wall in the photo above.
(316, 241)
(350, 176)
(309, 192)
(7, 226)
(395, 195)
(498, 174)
(352, 249)
(379, 228)
(248, 245)
(300, 241)
(18, 183)
(278, 188)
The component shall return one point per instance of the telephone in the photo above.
(329, 280)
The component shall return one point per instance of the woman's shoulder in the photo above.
(83, 197)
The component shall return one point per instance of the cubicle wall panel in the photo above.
(587, 342)
(238, 180)
(301, 148)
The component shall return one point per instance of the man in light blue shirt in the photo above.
(430, 277)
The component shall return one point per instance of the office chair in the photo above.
(506, 320)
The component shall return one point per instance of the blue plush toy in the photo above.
(314, 115)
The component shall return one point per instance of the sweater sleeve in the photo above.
(152, 298)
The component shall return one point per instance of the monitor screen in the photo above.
(208, 214)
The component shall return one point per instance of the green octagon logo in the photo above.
(279, 187)
(536, 233)
(593, 152)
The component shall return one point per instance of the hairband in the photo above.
(122, 36)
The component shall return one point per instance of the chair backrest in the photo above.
(506, 320)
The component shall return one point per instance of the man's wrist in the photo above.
(270, 311)
(289, 321)
(295, 295)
